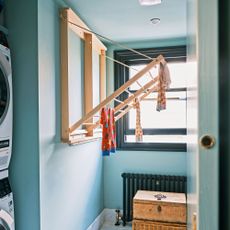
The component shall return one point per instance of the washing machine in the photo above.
(6, 107)
(6, 203)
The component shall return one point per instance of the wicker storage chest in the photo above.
(159, 211)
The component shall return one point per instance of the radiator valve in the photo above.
(118, 217)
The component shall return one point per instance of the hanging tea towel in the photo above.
(164, 83)
(138, 131)
(107, 121)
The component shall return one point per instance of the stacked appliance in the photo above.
(6, 123)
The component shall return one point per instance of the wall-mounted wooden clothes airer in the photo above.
(69, 20)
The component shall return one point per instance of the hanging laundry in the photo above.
(164, 82)
(138, 130)
(107, 121)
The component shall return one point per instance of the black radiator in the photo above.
(133, 182)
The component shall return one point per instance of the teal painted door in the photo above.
(202, 114)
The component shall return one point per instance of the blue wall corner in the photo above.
(165, 163)
(71, 178)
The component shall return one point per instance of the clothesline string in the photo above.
(125, 65)
(115, 43)
(121, 63)
(109, 40)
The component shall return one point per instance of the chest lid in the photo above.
(159, 197)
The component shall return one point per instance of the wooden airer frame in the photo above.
(71, 131)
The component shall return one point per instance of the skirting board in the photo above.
(107, 215)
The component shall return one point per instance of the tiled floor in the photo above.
(111, 226)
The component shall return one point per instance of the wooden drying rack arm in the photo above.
(129, 100)
(117, 93)
(154, 88)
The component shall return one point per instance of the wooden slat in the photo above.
(117, 92)
(115, 99)
(97, 44)
(88, 77)
(136, 94)
(128, 91)
(149, 91)
(131, 106)
(79, 132)
(129, 100)
(64, 80)
(123, 113)
(83, 140)
(102, 76)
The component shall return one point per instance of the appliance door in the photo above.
(4, 225)
(4, 93)
(6, 221)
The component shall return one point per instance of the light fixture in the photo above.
(155, 21)
(150, 2)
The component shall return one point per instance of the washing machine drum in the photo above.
(6, 221)
(4, 95)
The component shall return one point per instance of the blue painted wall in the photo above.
(137, 161)
(21, 19)
(55, 186)
(71, 177)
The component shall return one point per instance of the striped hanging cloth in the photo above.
(138, 130)
(164, 82)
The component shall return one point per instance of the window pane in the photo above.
(173, 117)
(164, 130)
(177, 73)
(144, 79)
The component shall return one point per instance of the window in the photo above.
(162, 131)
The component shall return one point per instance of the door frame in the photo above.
(203, 163)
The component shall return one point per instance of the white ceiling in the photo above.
(128, 21)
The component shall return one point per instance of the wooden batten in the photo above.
(64, 79)
(102, 76)
(135, 95)
(69, 20)
(131, 106)
(88, 79)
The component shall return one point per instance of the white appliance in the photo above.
(6, 107)
(6, 203)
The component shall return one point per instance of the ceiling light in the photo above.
(149, 2)
(155, 21)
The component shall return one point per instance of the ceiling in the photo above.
(128, 21)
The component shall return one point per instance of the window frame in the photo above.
(173, 54)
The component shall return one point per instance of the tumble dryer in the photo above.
(6, 107)
(6, 203)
